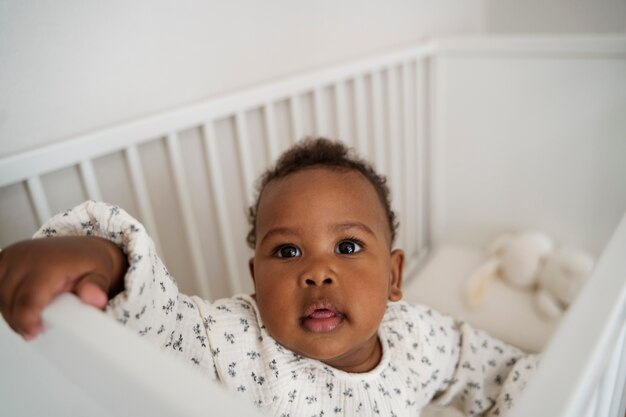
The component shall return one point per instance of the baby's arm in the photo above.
(33, 272)
(148, 299)
(488, 376)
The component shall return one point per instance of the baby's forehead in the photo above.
(323, 178)
(320, 185)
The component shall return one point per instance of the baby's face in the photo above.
(323, 269)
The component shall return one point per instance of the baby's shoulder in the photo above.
(242, 305)
(237, 313)
(413, 318)
(413, 311)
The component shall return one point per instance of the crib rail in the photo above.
(125, 375)
(583, 369)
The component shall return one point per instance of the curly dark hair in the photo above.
(321, 152)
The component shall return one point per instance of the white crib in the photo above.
(393, 108)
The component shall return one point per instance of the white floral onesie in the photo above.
(426, 356)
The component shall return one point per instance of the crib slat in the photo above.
(296, 118)
(341, 116)
(409, 162)
(422, 207)
(379, 128)
(141, 192)
(189, 219)
(218, 195)
(361, 116)
(320, 112)
(89, 177)
(245, 160)
(395, 151)
(39, 199)
(437, 213)
(269, 116)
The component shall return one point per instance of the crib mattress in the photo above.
(507, 313)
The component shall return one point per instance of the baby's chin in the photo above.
(337, 353)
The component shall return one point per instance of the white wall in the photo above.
(534, 143)
(555, 16)
(75, 66)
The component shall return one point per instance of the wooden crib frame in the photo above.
(583, 369)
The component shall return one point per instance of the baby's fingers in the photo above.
(31, 296)
(92, 290)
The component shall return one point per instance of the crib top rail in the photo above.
(125, 374)
(583, 369)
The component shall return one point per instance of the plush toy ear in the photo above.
(542, 243)
(478, 282)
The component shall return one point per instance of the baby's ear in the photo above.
(395, 278)
(251, 267)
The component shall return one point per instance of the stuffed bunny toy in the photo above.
(529, 261)
(560, 279)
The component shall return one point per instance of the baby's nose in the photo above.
(318, 270)
(318, 281)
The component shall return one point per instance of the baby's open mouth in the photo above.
(322, 317)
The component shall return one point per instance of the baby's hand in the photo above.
(33, 272)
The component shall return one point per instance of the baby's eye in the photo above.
(287, 251)
(347, 247)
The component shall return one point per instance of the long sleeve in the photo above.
(482, 375)
(150, 303)
(452, 364)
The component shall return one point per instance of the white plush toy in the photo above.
(529, 261)
(560, 279)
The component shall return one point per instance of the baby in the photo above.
(325, 332)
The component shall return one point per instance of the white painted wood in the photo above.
(125, 374)
(592, 405)
(437, 142)
(415, 263)
(343, 122)
(617, 388)
(218, 194)
(395, 151)
(18, 167)
(362, 131)
(409, 163)
(422, 228)
(189, 218)
(39, 199)
(89, 178)
(271, 132)
(622, 408)
(576, 358)
(296, 118)
(320, 113)
(378, 122)
(245, 160)
(142, 198)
